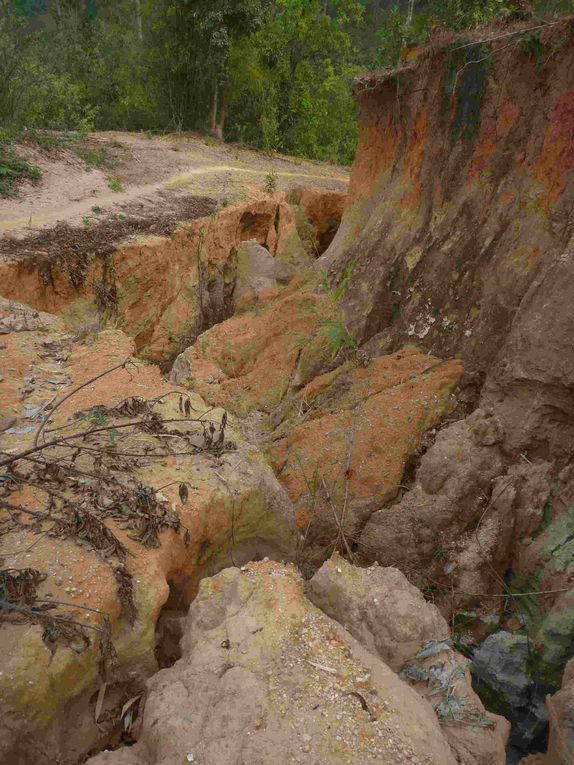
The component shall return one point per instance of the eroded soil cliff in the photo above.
(458, 236)
(396, 390)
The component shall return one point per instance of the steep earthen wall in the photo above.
(458, 229)
(162, 291)
(459, 236)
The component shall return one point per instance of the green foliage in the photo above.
(116, 185)
(291, 80)
(98, 417)
(345, 278)
(270, 182)
(396, 29)
(337, 336)
(394, 34)
(552, 7)
(96, 158)
(439, 554)
(465, 14)
(532, 46)
(276, 73)
(49, 141)
(14, 169)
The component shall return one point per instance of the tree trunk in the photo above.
(213, 116)
(222, 110)
(139, 20)
(407, 28)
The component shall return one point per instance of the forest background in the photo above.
(273, 74)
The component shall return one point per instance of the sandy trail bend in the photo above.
(152, 171)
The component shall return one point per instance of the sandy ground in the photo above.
(154, 173)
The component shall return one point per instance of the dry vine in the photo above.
(86, 480)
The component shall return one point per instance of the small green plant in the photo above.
(98, 417)
(338, 337)
(520, 599)
(86, 221)
(116, 185)
(48, 141)
(342, 286)
(439, 554)
(96, 158)
(324, 283)
(270, 183)
(14, 169)
(447, 325)
(298, 339)
(533, 47)
(97, 210)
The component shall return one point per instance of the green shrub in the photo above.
(14, 169)
(116, 185)
(270, 183)
(96, 158)
(337, 337)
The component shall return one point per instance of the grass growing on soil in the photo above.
(116, 185)
(13, 170)
(51, 141)
(96, 158)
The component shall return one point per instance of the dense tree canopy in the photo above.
(275, 74)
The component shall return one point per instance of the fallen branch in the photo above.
(74, 391)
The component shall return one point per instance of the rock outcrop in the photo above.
(501, 665)
(446, 508)
(561, 710)
(391, 618)
(267, 678)
(256, 272)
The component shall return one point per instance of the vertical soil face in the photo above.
(318, 215)
(461, 192)
(162, 290)
(458, 236)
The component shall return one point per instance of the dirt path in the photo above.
(152, 173)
